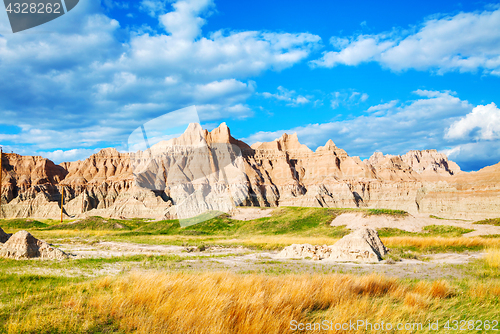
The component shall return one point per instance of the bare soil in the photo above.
(243, 260)
(250, 213)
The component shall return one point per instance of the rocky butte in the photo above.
(278, 173)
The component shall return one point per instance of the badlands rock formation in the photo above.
(361, 245)
(23, 245)
(202, 170)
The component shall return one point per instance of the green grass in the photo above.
(285, 226)
(493, 221)
(21, 223)
(285, 220)
(428, 231)
(397, 213)
(100, 224)
(289, 220)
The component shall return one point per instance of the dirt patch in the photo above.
(250, 213)
(239, 260)
(409, 223)
(107, 249)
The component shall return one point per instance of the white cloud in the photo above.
(90, 82)
(347, 98)
(415, 124)
(475, 155)
(184, 22)
(382, 106)
(466, 42)
(153, 7)
(289, 96)
(483, 122)
(59, 156)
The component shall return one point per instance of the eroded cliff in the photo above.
(214, 164)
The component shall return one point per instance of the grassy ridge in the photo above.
(492, 221)
(285, 226)
(284, 220)
(428, 231)
(21, 223)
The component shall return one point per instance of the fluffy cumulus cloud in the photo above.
(395, 128)
(476, 137)
(84, 81)
(483, 123)
(466, 42)
(475, 155)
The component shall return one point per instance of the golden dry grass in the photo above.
(429, 242)
(492, 258)
(271, 241)
(157, 302)
(483, 290)
(279, 240)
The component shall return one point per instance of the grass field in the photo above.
(179, 294)
(158, 302)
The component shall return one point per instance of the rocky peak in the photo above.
(285, 143)
(331, 147)
(376, 158)
(107, 152)
(194, 135)
(430, 162)
(220, 134)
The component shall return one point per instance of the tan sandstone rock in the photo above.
(22, 245)
(283, 172)
(362, 245)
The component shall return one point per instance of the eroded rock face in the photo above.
(279, 173)
(362, 245)
(22, 245)
(24, 177)
(4, 236)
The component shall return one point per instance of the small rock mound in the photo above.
(4, 236)
(22, 245)
(362, 245)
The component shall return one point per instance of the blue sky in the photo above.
(389, 76)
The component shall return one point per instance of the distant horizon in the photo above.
(250, 144)
(388, 77)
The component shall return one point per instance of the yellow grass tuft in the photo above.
(416, 300)
(492, 258)
(440, 242)
(436, 289)
(482, 290)
(158, 302)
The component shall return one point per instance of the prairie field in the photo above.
(222, 276)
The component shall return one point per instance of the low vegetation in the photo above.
(21, 223)
(493, 221)
(285, 226)
(428, 231)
